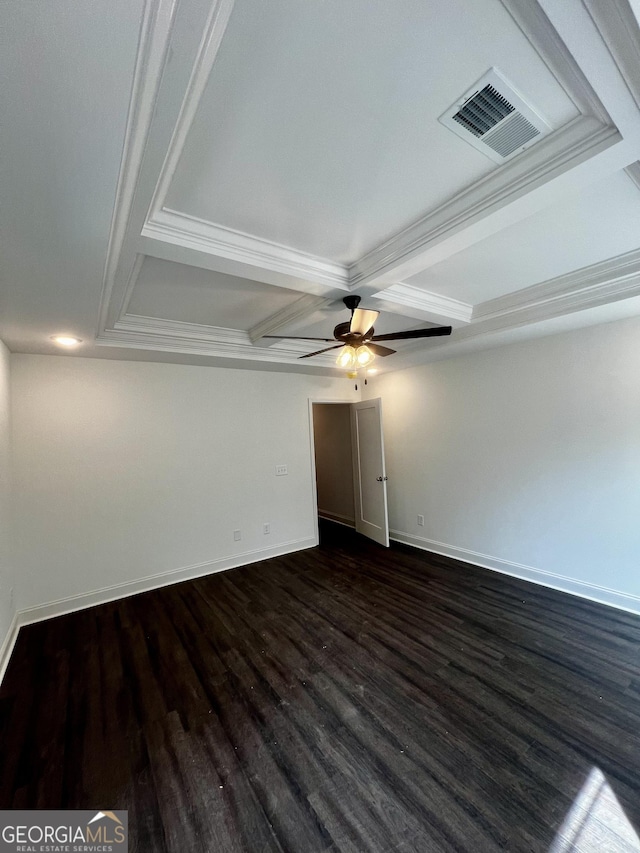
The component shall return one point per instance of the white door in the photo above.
(369, 477)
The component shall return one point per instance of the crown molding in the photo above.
(559, 152)
(136, 269)
(214, 30)
(513, 190)
(590, 287)
(181, 329)
(598, 284)
(191, 232)
(431, 303)
(633, 172)
(176, 344)
(154, 333)
(298, 310)
(585, 137)
(562, 150)
(155, 33)
(582, 138)
(602, 282)
(536, 26)
(618, 27)
(602, 36)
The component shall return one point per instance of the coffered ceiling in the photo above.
(183, 178)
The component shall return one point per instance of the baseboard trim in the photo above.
(582, 589)
(339, 519)
(112, 593)
(7, 645)
(73, 603)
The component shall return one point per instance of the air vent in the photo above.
(495, 119)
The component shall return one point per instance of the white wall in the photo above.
(524, 458)
(6, 562)
(334, 461)
(126, 470)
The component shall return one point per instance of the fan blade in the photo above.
(294, 338)
(309, 354)
(362, 321)
(376, 349)
(416, 333)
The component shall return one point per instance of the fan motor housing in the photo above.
(342, 333)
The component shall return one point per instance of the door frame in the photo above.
(312, 454)
(312, 449)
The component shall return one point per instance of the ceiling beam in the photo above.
(193, 234)
(565, 163)
(602, 141)
(298, 310)
(430, 307)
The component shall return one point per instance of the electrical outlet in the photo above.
(421, 521)
(266, 528)
(236, 536)
(281, 471)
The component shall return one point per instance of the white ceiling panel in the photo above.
(597, 224)
(191, 295)
(319, 127)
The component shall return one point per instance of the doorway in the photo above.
(349, 469)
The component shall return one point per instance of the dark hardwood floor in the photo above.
(346, 698)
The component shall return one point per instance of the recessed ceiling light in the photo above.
(66, 340)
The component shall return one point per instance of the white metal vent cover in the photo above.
(495, 119)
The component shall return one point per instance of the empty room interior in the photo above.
(320, 423)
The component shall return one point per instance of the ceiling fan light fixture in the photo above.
(364, 356)
(356, 340)
(346, 357)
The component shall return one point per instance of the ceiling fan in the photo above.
(356, 338)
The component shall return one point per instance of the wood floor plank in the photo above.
(345, 698)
